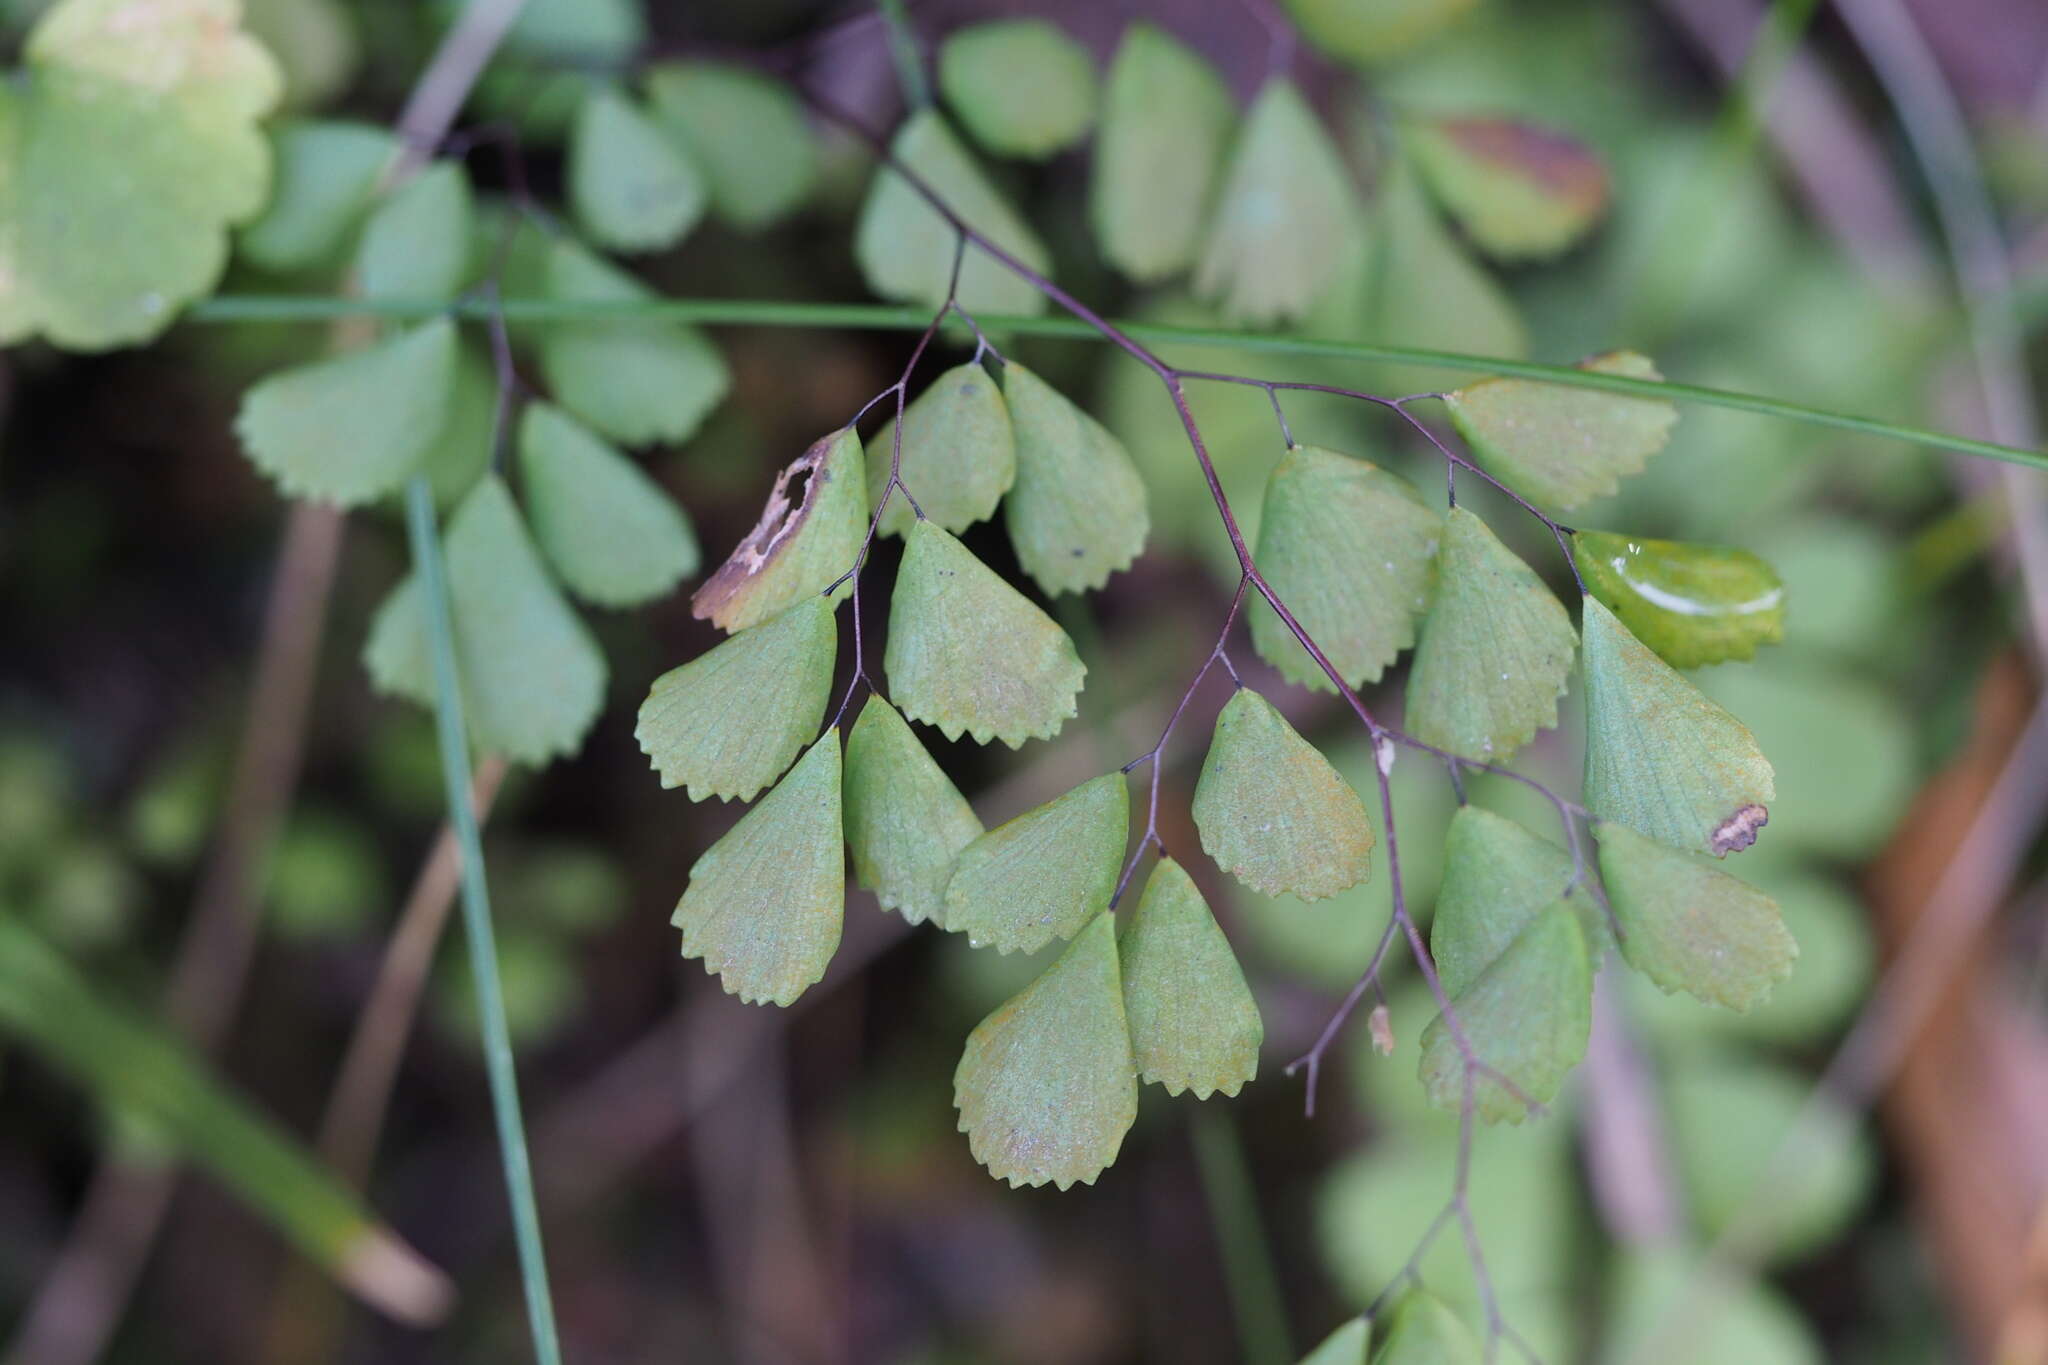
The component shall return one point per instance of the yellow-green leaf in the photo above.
(959, 454)
(325, 180)
(764, 903)
(417, 242)
(354, 427)
(1423, 1331)
(777, 676)
(127, 149)
(968, 653)
(1496, 648)
(1564, 446)
(532, 678)
(632, 187)
(1345, 1346)
(635, 381)
(615, 537)
(1044, 874)
(1272, 811)
(1498, 877)
(1076, 513)
(1194, 1024)
(1661, 757)
(1689, 926)
(905, 820)
(1351, 550)
(1750, 1137)
(1526, 1016)
(1046, 1087)
(905, 249)
(1520, 191)
(1369, 31)
(1166, 118)
(810, 530)
(1022, 87)
(1283, 217)
(745, 131)
(1693, 604)
(1735, 1319)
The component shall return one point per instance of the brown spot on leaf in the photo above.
(1738, 831)
(1562, 165)
(788, 507)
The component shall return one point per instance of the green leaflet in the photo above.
(1044, 874)
(632, 187)
(128, 147)
(1733, 1121)
(462, 449)
(1166, 118)
(354, 427)
(325, 179)
(587, 33)
(764, 903)
(1368, 31)
(1527, 1016)
(1564, 446)
(611, 533)
(532, 678)
(967, 652)
(1689, 926)
(1736, 1321)
(1351, 550)
(1022, 87)
(1498, 878)
(905, 820)
(806, 538)
(745, 132)
(316, 46)
(905, 249)
(1496, 649)
(1425, 1332)
(777, 675)
(1520, 191)
(1283, 217)
(1693, 604)
(1046, 1086)
(633, 381)
(1422, 289)
(959, 454)
(1272, 811)
(417, 242)
(1076, 513)
(1836, 963)
(1345, 1346)
(1194, 1024)
(1662, 758)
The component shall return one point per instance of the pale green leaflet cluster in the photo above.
(1261, 213)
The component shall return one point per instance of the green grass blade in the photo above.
(132, 1067)
(771, 313)
(476, 921)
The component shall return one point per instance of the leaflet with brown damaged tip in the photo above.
(809, 533)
